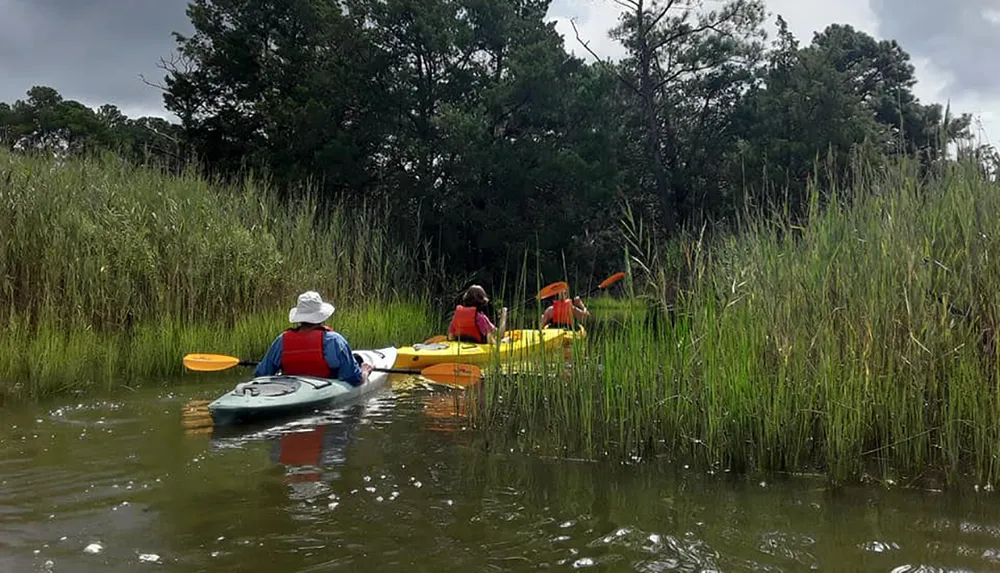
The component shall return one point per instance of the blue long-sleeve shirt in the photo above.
(336, 350)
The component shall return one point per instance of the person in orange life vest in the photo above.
(311, 348)
(470, 323)
(564, 312)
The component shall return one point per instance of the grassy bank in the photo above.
(110, 272)
(860, 343)
(53, 360)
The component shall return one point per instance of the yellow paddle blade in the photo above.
(611, 280)
(553, 289)
(453, 373)
(210, 362)
(438, 338)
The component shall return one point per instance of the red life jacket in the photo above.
(463, 324)
(562, 312)
(302, 353)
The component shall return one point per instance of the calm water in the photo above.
(131, 483)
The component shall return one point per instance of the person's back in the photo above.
(564, 312)
(302, 352)
(465, 326)
(469, 323)
(311, 348)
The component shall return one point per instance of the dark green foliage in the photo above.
(47, 122)
(291, 87)
(844, 92)
(480, 135)
(686, 73)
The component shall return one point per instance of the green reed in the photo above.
(861, 343)
(51, 360)
(108, 269)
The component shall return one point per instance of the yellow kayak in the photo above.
(570, 335)
(514, 342)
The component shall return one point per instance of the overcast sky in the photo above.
(94, 50)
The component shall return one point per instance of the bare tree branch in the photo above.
(714, 26)
(627, 4)
(176, 64)
(663, 12)
(161, 134)
(586, 46)
(685, 70)
(142, 78)
(179, 65)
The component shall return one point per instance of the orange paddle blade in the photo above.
(553, 289)
(438, 338)
(453, 373)
(611, 280)
(210, 362)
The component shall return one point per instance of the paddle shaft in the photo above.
(593, 290)
(387, 370)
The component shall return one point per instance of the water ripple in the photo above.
(384, 485)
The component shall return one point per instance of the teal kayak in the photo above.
(275, 396)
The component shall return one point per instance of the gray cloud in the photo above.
(955, 35)
(90, 50)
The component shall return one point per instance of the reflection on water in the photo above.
(195, 417)
(310, 449)
(398, 483)
(446, 411)
(310, 454)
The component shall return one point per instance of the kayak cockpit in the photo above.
(277, 386)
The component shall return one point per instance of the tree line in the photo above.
(483, 135)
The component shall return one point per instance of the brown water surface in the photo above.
(137, 482)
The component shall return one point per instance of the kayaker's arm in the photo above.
(546, 317)
(338, 355)
(580, 312)
(485, 325)
(271, 363)
(503, 323)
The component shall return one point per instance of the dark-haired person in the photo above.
(470, 323)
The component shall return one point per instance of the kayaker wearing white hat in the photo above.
(311, 348)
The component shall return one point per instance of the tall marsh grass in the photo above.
(109, 272)
(861, 343)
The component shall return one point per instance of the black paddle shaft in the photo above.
(388, 370)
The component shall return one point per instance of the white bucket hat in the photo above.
(310, 308)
